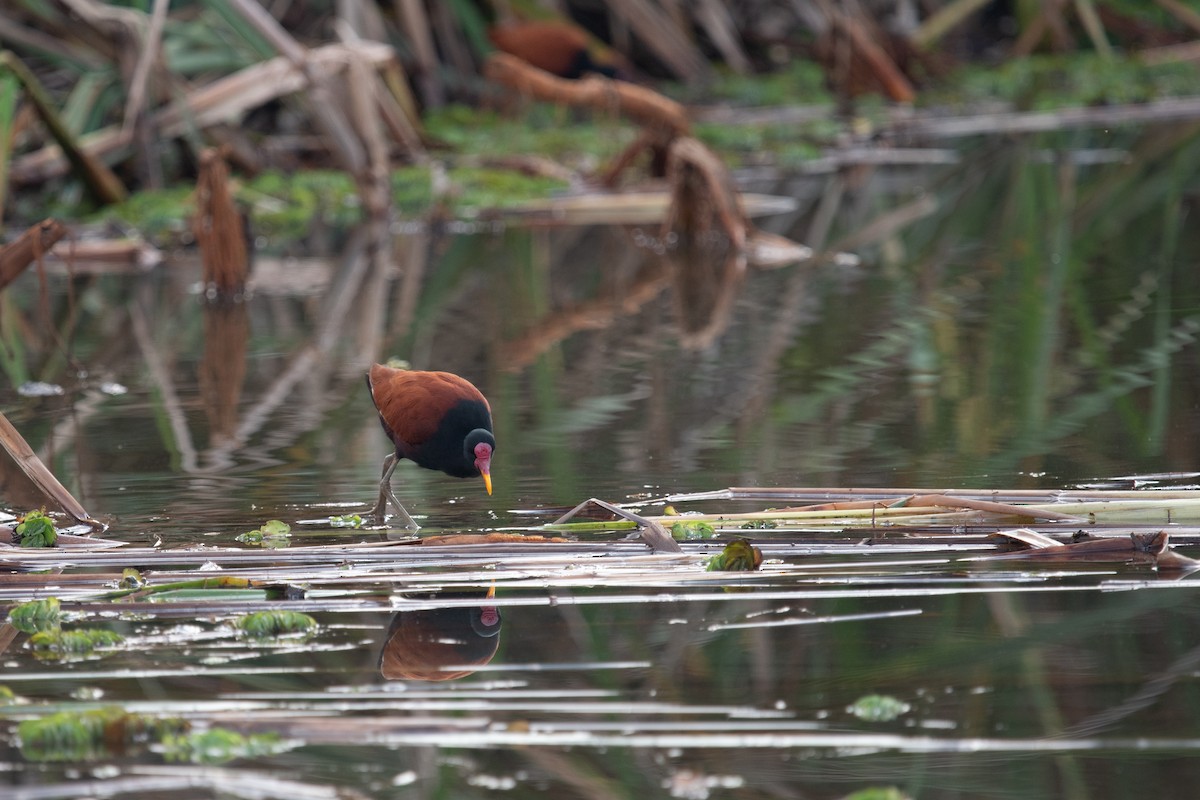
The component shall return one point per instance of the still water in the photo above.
(1025, 319)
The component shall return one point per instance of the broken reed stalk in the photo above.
(702, 191)
(644, 106)
(13, 442)
(29, 247)
(218, 228)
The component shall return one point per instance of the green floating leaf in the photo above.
(691, 531)
(272, 535)
(270, 624)
(220, 745)
(90, 735)
(738, 556)
(59, 644)
(36, 615)
(346, 521)
(878, 708)
(35, 529)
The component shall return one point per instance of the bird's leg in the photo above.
(379, 512)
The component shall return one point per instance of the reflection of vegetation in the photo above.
(220, 745)
(91, 735)
(58, 645)
(271, 624)
(878, 708)
(36, 615)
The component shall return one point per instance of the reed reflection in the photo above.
(441, 644)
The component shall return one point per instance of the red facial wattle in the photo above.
(483, 463)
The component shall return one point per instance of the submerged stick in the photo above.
(12, 441)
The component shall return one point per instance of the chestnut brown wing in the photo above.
(412, 404)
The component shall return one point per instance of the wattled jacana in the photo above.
(438, 420)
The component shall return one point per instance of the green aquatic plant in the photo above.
(738, 556)
(36, 529)
(271, 624)
(691, 531)
(272, 534)
(36, 615)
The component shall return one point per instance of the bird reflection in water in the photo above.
(441, 644)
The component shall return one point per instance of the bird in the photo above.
(555, 46)
(435, 419)
(441, 644)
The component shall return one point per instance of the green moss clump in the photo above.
(36, 615)
(1043, 83)
(272, 624)
(287, 205)
(493, 188)
(158, 214)
(566, 136)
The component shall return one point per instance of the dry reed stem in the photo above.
(218, 227)
(16, 446)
